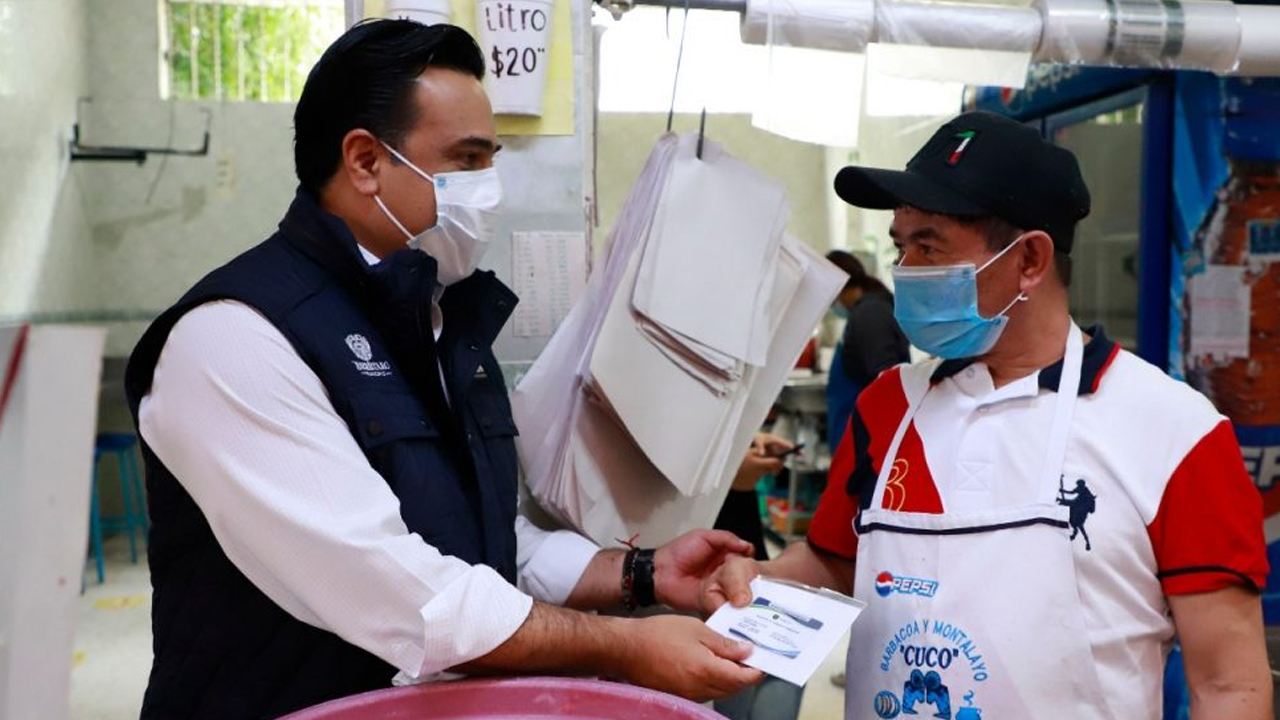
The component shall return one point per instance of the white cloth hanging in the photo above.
(635, 417)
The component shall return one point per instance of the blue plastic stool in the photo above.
(95, 522)
(131, 491)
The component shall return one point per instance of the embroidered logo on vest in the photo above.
(360, 346)
(363, 351)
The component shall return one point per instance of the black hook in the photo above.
(702, 130)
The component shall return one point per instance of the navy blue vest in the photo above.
(222, 648)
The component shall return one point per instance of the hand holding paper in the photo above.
(678, 655)
(681, 565)
(793, 627)
(729, 584)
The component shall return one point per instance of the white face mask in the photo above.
(467, 204)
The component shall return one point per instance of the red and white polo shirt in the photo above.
(1174, 510)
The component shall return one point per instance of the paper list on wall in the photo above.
(549, 273)
(1220, 303)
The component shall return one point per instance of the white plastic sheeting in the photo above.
(1173, 34)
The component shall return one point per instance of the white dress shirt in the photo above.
(247, 428)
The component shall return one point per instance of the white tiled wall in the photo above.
(42, 51)
(158, 228)
(109, 241)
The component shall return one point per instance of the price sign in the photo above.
(515, 35)
(515, 61)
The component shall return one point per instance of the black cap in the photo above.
(981, 164)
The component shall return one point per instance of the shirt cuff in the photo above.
(1207, 578)
(473, 615)
(557, 566)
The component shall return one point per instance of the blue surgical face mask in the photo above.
(937, 308)
(840, 311)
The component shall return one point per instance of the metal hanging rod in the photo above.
(738, 6)
(1222, 37)
(618, 7)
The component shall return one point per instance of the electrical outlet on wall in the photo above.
(225, 175)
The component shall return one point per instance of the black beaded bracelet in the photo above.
(628, 579)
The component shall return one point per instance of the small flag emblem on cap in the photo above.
(965, 138)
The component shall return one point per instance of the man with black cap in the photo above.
(1034, 513)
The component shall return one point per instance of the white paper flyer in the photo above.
(793, 627)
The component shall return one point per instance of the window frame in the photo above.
(264, 70)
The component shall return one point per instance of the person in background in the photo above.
(871, 342)
(740, 513)
(1037, 512)
(329, 446)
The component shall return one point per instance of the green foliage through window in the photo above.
(259, 50)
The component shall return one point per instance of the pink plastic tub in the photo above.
(513, 699)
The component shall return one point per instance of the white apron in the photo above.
(975, 615)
